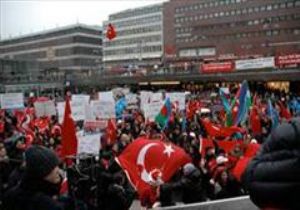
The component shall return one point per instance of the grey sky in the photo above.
(20, 17)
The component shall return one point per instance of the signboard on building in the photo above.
(258, 63)
(287, 60)
(217, 67)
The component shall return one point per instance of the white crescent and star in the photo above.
(145, 175)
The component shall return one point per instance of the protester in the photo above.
(273, 176)
(213, 174)
(39, 185)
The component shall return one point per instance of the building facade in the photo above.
(139, 38)
(196, 30)
(75, 49)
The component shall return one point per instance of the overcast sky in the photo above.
(20, 17)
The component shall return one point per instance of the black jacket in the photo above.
(32, 194)
(273, 176)
(190, 186)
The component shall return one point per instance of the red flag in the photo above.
(240, 167)
(111, 131)
(284, 112)
(2, 126)
(226, 145)
(149, 163)
(217, 131)
(255, 124)
(69, 140)
(111, 32)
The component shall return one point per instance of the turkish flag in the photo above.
(111, 131)
(150, 163)
(217, 131)
(226, 145)
(42, 123)
(111, 32)
(69, 139)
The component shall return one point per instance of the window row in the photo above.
(235, 36)
(140, 30)
(136, 12)
(263, 21)
(138, 21)
(238, 12)
(145, 49)
(124, 42)
(196, 7)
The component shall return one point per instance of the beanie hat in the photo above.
(40, 161)
(188, 169)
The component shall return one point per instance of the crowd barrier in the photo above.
(239, 203)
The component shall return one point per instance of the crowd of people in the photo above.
(33, 172)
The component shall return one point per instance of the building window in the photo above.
(282, 5)
(244, 11)
(221, 14)
(296, 31)
(216, 14)
(238, 12)
(250, 10)
(262, 8)
(275, 6)
(269, 7)
(233, 12)
(290, 4)
(227, 13)
(211, 4)
(211, 15)
(297, 4)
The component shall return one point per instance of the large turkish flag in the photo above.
(149, 163)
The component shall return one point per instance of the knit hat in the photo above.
(188, 169)
(40, 161)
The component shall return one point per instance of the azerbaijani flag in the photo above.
(273, 114)
(227, 108)
(244, 103)
(163, 116)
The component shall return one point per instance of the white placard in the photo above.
(131, 98)
(106, 96)
(103, 109)
(12, 101)
(155, 97)
(45, 108)
(60, 107)
(177, 97)
(152, 109)
(78, 110)
(145, 97)
(257, 63)
(89, 144)
(81, 97)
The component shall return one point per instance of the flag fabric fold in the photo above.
(69, 139)
(244, 103)
(163, 116)
(150, 163)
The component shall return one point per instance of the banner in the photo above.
(152, 109)
(155, 97)
(132, 101)
(45, 108)
(257, 63)
(177, 97)
(60, 107)
(217, 67)
(94, 125)
(285, 60)
(88, 144)
(12, 101)
(78, 109)
(106, 96)
(81, 97)
(103, 109)
(145, 97)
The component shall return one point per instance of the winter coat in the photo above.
(191, 187)
(273, 176)
(32, 194)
